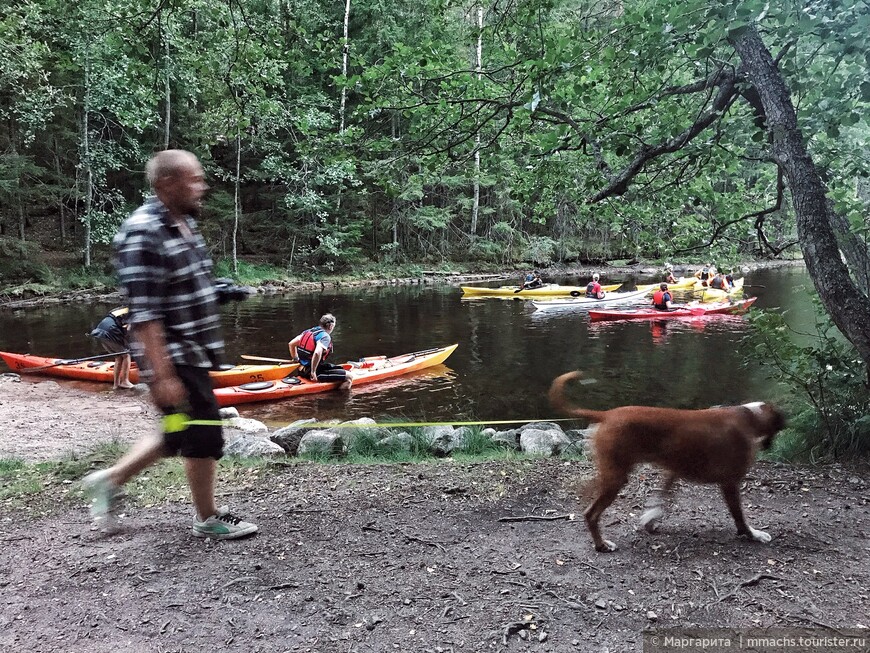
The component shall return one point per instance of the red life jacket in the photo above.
(593, 288)
(308, 344)
(659, 300)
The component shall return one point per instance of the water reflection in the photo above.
(508, 352)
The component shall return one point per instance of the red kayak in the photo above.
(367, 370)
(687, 311)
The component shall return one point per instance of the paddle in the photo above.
(73, 361)
(286, 361)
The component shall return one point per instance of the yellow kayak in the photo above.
(683, 283)
(547, 290)
(715, 295)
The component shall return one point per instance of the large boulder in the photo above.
(251, 446)
(439, 439)
(460, 437)
(542, 426)
(321, 442)
(397, 442)
(351, 433)
(540, 442)
(289, 436)
(507, 439)
(245, 425)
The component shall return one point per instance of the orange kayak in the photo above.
(367, 370)
(103, 370)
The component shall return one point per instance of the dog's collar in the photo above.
(755, 407)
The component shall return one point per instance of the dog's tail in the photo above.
(560, 402)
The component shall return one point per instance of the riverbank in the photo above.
(264, 284)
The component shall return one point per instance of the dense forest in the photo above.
(531, 130)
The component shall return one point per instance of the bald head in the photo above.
(168, 163)
(178, 181)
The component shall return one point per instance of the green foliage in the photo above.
(570, 94)
(540, 250)
(830, 400)
(18, 263)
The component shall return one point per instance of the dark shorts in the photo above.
(326, 373)
(114, 347)
(196, 441)
(110, 335)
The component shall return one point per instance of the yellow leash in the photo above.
(179, 421)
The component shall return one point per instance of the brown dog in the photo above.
(716, 445)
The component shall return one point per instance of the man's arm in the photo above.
(166, 388)
(315, 360)
(293, 345)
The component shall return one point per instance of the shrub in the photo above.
(831, 403)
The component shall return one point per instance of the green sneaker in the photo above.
(106, 499)
(223, 526)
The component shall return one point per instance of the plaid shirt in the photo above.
(168, 278)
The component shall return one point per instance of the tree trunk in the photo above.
(848, 306)
(60, 203)
(344, 53)
(237, 207)
(475, 206)
(167, 111)
(86, 160)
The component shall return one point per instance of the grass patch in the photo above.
(46, 487)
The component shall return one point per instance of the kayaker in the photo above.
(532, 280)
(166, 275)
(718, 282)
(704, 274)
(669, 275)
(111, 332)
(662, 298)
(312, 347)
(593, 288)
(729, 279)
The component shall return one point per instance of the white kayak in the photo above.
(610, 299)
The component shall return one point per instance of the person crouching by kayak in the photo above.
(312, 347)
(112, 334)
(594, 289)
(662, 298)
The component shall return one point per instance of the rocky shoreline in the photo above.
(308, 438)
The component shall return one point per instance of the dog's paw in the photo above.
(759, 536)
(606, 546)
(649, 521)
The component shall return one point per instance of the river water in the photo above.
(508, 352)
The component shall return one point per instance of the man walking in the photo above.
(165, 274)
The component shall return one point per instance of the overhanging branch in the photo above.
(618, 185)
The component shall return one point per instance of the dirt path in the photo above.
(38, 421)
(414, 558)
